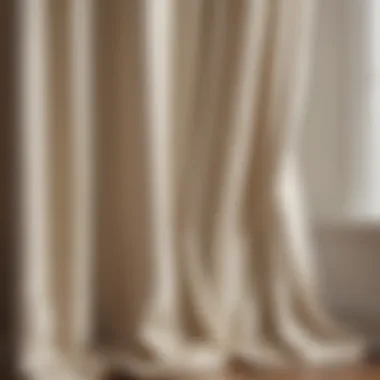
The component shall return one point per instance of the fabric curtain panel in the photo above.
(163, 212)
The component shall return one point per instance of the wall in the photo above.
(349, 266)
(335, 163)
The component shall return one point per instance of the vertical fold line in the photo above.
(82, 132)
(159, 58)
(202, 287)
(238, 151)
(38, 340)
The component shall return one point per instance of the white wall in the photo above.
(322, 146)
(342, 134)
(340, 153)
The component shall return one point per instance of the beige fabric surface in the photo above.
(164, 220)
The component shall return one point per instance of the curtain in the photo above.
(163, 213)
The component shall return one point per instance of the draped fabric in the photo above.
(164, 221)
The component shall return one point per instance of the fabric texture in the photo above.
(164, 218)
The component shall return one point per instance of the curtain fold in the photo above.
(165, 230)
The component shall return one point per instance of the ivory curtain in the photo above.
(164, 224)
